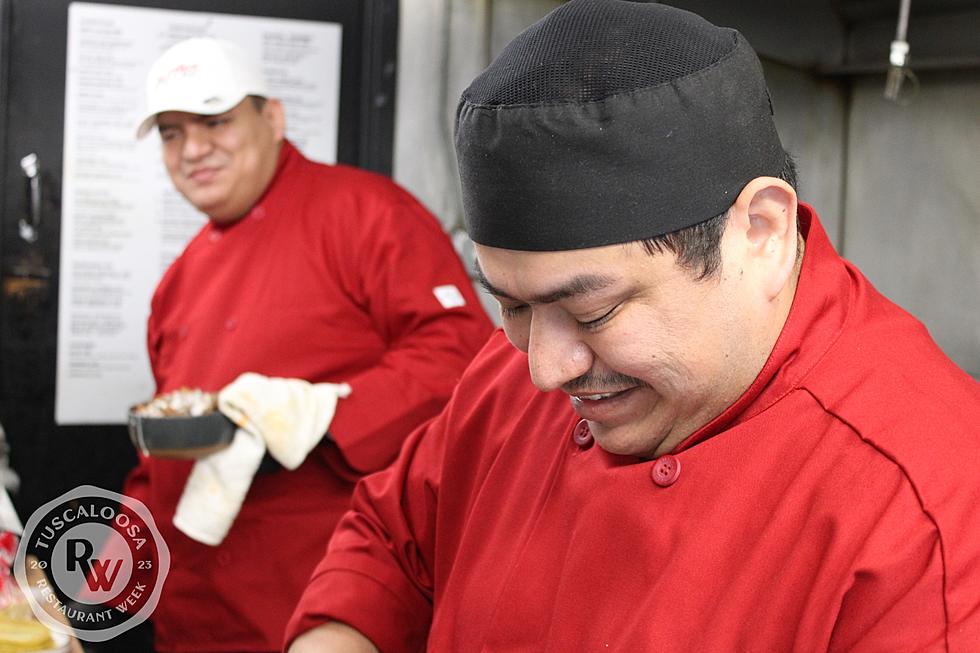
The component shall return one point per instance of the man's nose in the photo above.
(197, 143)
(556, 353)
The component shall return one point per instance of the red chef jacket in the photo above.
(329, 277)
(835, 506)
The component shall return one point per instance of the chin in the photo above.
(626, 441)
(206, 205)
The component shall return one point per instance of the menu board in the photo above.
(122, 223)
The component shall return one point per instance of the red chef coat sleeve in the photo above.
(377, 574)
(894, 600)
(402, 258)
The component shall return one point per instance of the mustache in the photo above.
(599, 381)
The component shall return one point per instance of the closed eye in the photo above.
(217, 121)
(592, 325)
(511, 312)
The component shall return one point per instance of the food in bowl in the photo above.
(184, 402)
(183, 424)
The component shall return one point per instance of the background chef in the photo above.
(325, 303)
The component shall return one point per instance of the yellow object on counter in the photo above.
(22, 635)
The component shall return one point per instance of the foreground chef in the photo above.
(319, 300)
(728, 440)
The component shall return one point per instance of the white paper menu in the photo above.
(122, 223)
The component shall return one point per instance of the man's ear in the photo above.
(274, 113)
(765, 211)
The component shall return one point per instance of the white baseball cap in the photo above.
(200, 75)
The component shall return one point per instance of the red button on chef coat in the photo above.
(582, 434)
(666, 470)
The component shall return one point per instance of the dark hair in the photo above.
(698, 247)
(258, 102)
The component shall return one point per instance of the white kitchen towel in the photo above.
(287, 417)
(215, 489)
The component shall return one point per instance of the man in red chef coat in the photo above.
(702, 430)
(328, 301)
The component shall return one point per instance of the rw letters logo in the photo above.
(94, 560)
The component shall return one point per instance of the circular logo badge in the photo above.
(92, 563)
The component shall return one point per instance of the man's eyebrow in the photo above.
(483, 281)
(577, 285)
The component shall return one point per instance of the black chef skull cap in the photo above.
(610, 121)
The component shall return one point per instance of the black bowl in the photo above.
(179, 436)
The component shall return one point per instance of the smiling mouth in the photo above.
(203, 174)
(606, 407)
(599, 396)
